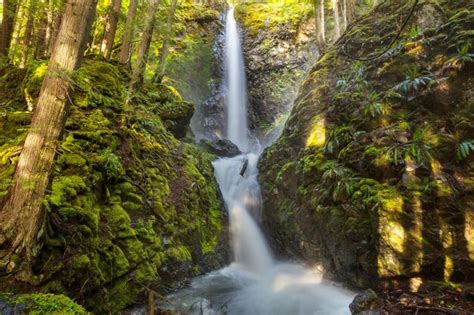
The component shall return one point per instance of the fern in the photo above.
(464, 149)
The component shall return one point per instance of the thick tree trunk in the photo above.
(160, 72)
(111, 28)
(337, 26)
(124, 56)
(21, 215)
(8, 22)
(142, 55)
(40, 34)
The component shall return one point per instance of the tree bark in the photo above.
(26, 38)
(111, 28)
(8, 21)
(142, 55)
(344, 13)
(323, 23)
(337, 26)
(160, 72)
(21, 215)
(124, 56)
(318, 7)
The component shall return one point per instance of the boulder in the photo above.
(366, 303)
(222, 147)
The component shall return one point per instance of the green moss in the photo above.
(45, 304)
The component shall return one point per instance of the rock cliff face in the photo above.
(373, 174)
(279, 46)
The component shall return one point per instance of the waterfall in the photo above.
(236, 85)
(254, 283)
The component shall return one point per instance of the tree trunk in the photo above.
(8, 21)
(111, 28)
(344, 13)
(318, 6)
(337, 27)
(55, 26)
(124, 56)
(21, 215)
(323, 23)
(26, 38)
(40, 34)
(142, 55)
(160, 72)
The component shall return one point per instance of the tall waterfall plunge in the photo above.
(254, 283)
(236, 84)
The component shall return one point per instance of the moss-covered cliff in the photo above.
(373, 174)
(130, 206)
(279, 46)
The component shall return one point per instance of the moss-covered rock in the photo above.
(39, 304)
(371, 175)
(130, 207)
(279, 47)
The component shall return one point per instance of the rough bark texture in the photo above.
(9, 9)
(128, 33)
(142, 55)
(164, 50)
(337, 27)
(26, 40)
(21, 214)
(111, 28)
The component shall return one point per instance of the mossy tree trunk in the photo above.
(26, 38)
(21, 215)
(160, 71)
(8, 21)
(110, 28)
(125, 49)
(142, 55)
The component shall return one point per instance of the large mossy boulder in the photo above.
(130, 207)
(373, 173)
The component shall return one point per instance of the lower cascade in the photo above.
(254, 283)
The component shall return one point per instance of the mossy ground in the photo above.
(130, 207)
(372, 173)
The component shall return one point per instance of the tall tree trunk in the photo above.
(344, 13)
(142, 55)
(55, 26)
(8, 22)
(322, 29)
(21, 215)
(111, 28)
(337, 26)
(26, 38)
(124, 56)
(40, 34)
(318, 6)
(160, 72)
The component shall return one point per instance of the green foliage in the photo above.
(414, 83)
(464, 149)
(50, 304)
(373, 107)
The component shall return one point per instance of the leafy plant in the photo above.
(414, 83)
(462, 57)
(464, 149)
(373, 107)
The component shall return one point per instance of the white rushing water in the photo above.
(254, 283)
(236, 85)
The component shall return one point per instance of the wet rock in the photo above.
(225, 148)
(366, 303)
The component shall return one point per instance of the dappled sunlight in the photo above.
(469, 231)
(317, 134)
